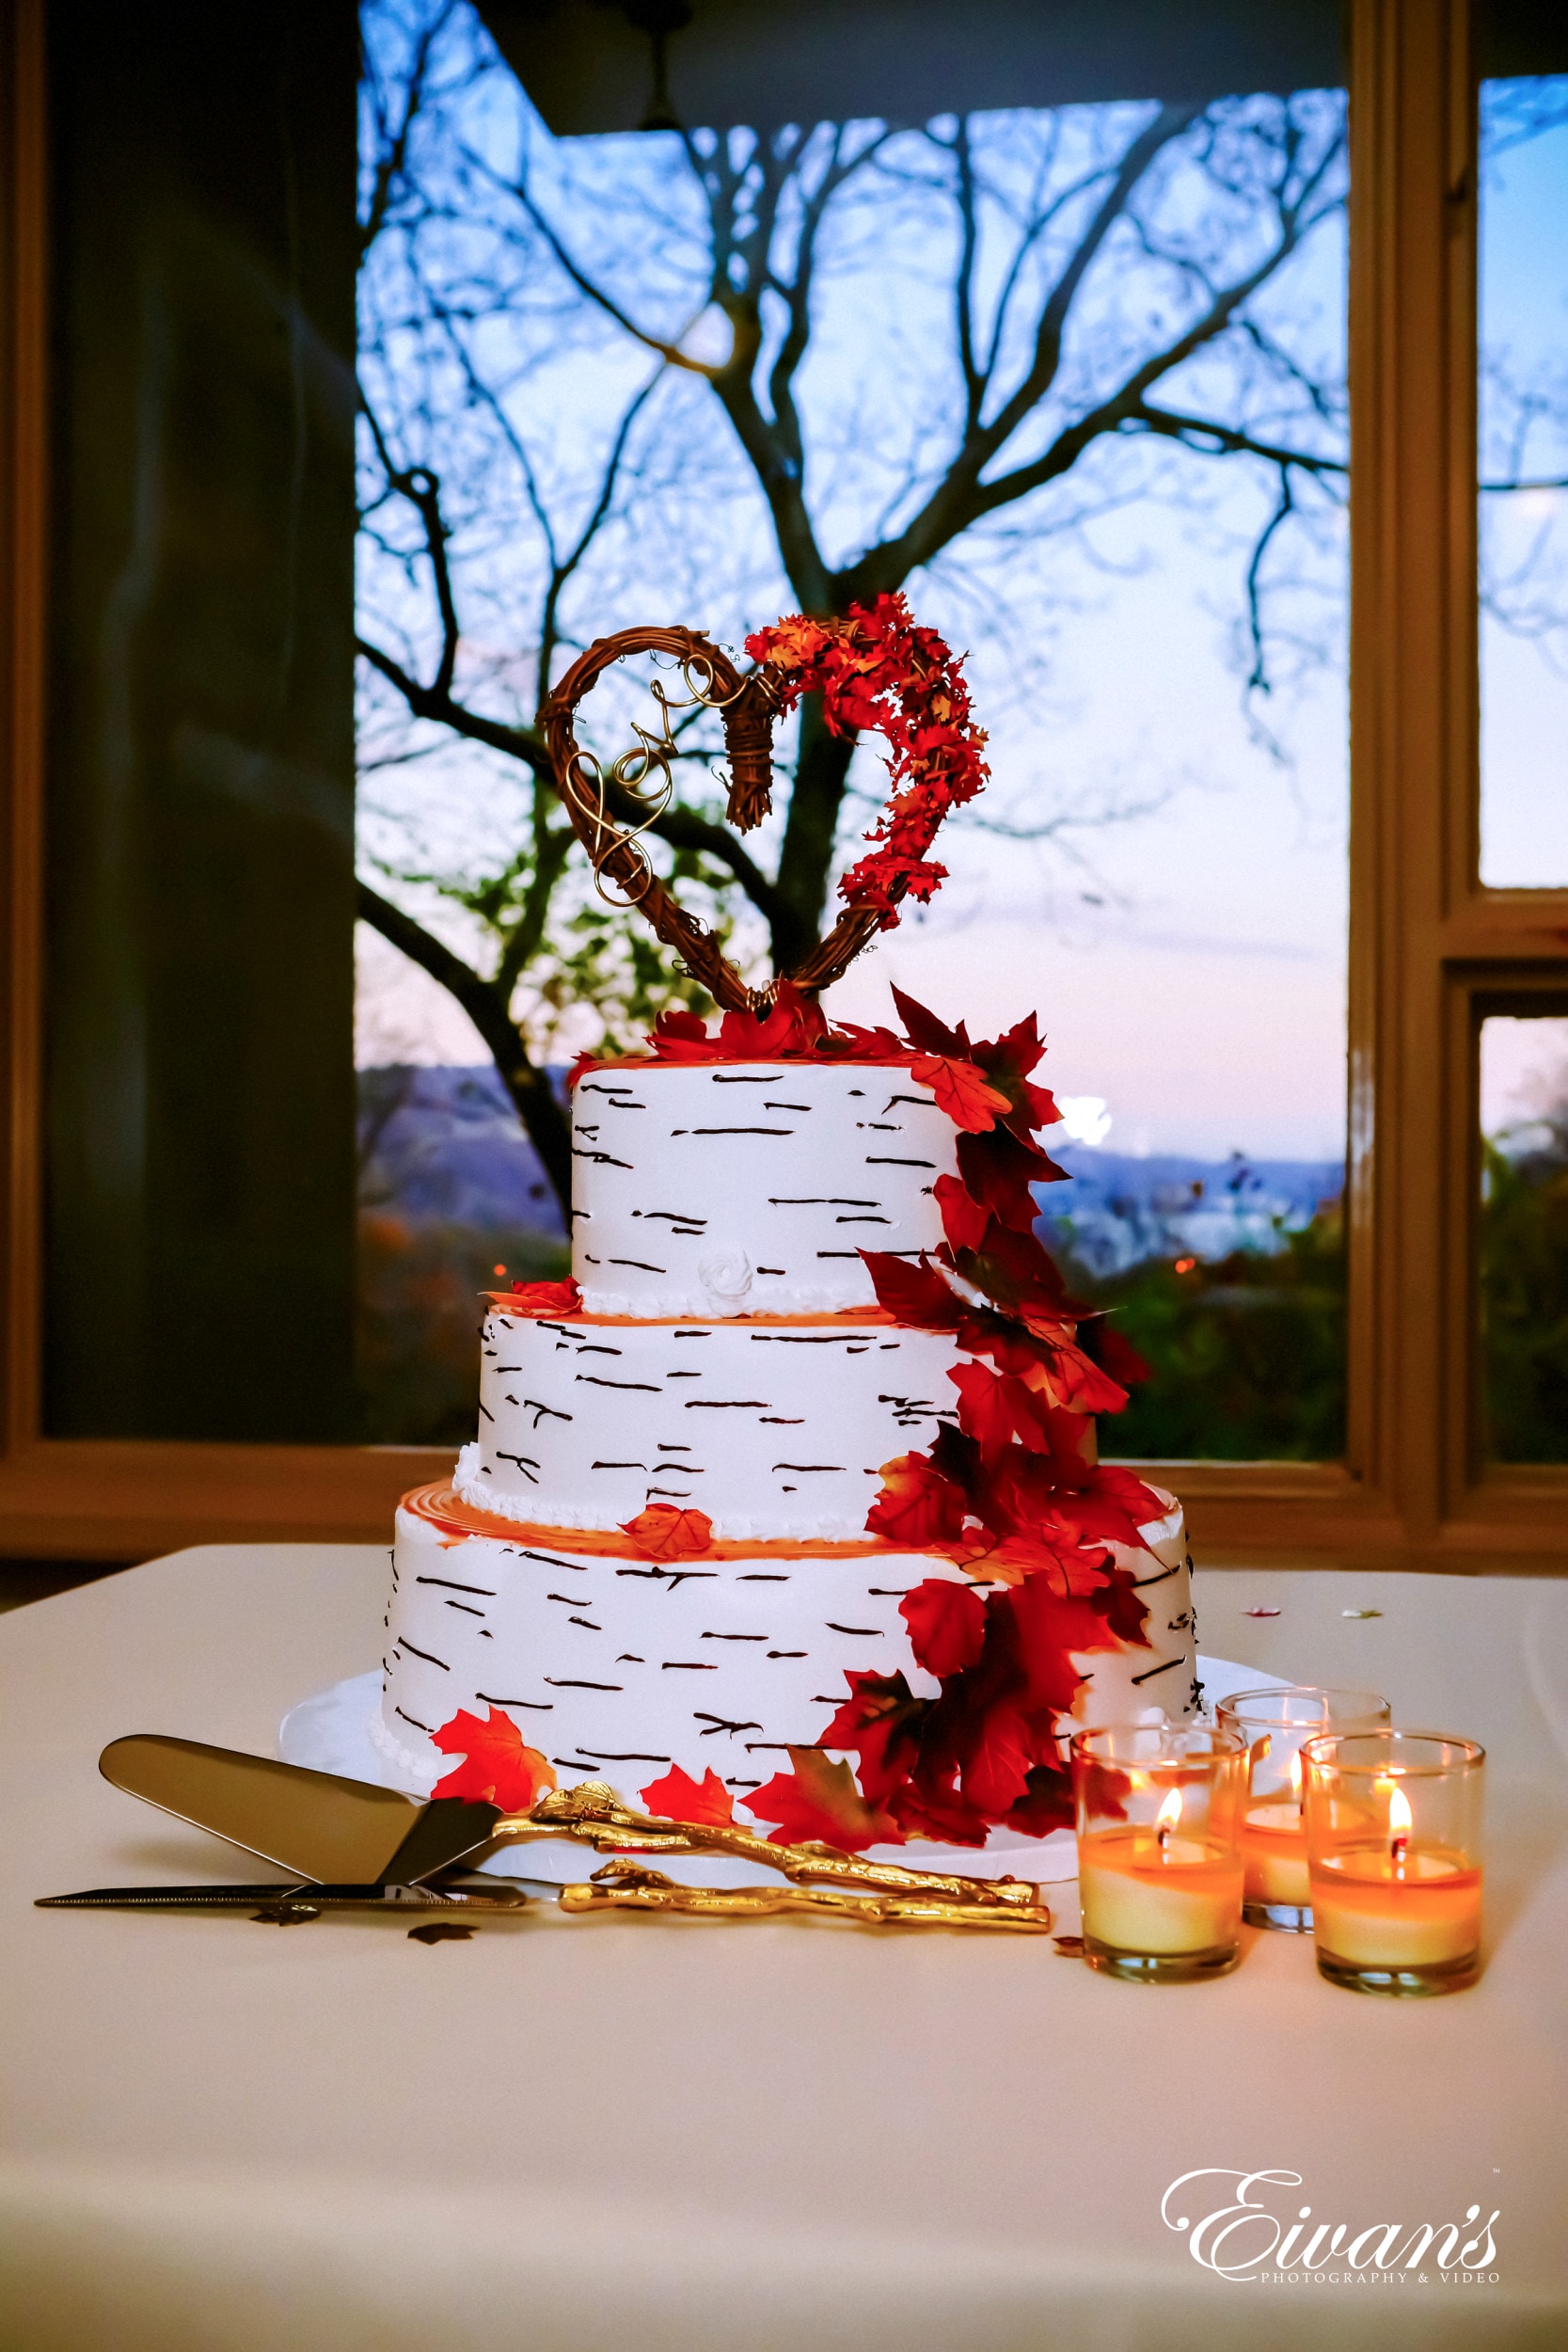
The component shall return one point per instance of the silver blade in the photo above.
(324, 1827)
(498, 1894)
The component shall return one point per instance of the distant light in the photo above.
(1185, 1266)
(1084, 1117)
(497, 1269)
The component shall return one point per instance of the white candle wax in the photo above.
(1139, 1895)
(1376, 1910)
(1275, 1846)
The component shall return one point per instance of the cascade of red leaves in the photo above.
(984, 1751)
(679, 1798)
(498, 1767)
(1013, 1488)
(664, 1532)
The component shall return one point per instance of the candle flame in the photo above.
(1400, 1817)
(1169, 1814)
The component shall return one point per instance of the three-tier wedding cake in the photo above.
(789, 1499)
(796, 1479)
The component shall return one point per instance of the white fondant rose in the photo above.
(726, 1272)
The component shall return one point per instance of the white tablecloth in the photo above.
(618, 2133)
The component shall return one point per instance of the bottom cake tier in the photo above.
(617, 1667)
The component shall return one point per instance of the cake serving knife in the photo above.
(339, 1831)
(619, 1886)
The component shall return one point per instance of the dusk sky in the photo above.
(1188, 963)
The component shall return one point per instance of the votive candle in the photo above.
(1275, 1723)
(1158, 1850)
(1393, 1831)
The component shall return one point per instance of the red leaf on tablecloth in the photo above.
(543, 1298)
(498, 1768)
(679, 1798)
(916, 1506)
(961, 1092)
(819, 1800)
(663, 1532)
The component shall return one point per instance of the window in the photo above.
(224, 1208)
(1070, 370)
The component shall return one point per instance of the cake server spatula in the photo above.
(336, 1831)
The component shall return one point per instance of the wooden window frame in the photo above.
(1431, 949)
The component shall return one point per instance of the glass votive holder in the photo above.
(1159, 1811)
(1393, 1850)
(1274, 1835)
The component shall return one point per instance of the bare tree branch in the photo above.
(482, 1000)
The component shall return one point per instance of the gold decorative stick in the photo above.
(593, 1813)
(624, 1887)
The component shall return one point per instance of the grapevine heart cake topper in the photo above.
(874, 669)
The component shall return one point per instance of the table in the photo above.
(569, 2135)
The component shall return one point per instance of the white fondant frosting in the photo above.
(749, 1186)
(719, 1209)
(769, 1429)
(616, 1669)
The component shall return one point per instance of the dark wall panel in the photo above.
(200, 1238)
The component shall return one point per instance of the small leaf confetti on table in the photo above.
(1260, 1612)
(1360, 1612)
(439, 1932)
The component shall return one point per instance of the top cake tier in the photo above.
(750, 1187)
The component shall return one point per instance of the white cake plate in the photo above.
(331, 1733)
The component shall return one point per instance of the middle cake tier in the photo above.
(777, 1426)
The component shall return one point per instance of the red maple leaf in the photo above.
(1007, 1061)
(881, 1720)
(663, 1532)
(792, 1023)
(925, 1033)
(916, 1506)
(916, 1295)
(999, 1170)
(498, 1768)
(1117, 1600)
(1047, 1801)
(544, 1299)
(1014, 1271)
(996, 1407)
(679, 1798)
(1069, 1378)
(947, 1624)
(680, 1037)
(960, 1090)
(818, 1800)
(963, 1220)
(1121, 1358)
